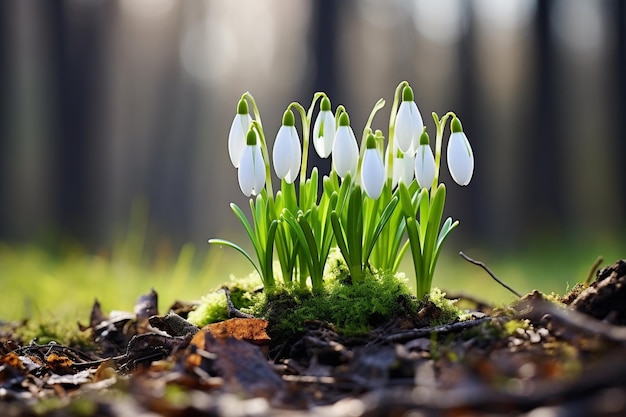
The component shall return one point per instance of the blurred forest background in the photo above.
(105, 103)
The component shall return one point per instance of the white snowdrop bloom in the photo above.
(238, 130)
(251, 173)
(403, 167)
(460, 155)
(424, 163)
(372, 170)
(287, 153)
(324, 129)
(345, 149)
(409, 123)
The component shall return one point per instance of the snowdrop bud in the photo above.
(345, 149)
(372, 169)
(287, 153)
(251, 173)
(460, 155)
(424, 162)
(324, 130)
(409, 124)
(238, 130)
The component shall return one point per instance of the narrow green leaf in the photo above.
(240, 250)
(246, 225)
(340, 237)
(384, 218)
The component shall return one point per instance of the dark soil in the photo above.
(537, 357)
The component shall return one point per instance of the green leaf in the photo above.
(240, 250)
(268, 263)
(384, 218)
(246, 225)
(432, 229)
(340, 237)
(405, 201)
(447, 227)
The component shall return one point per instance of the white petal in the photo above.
(296, 157)
(372, 173)
(259, 170)
(419, 126)
(251, 172)
(405, 127)
(237, 137)
(460, 158)
(245, 173)
(404, 169)
(345, 151)
(324, 144)
(424, 166)
(283, 152)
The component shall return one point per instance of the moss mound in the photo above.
(351, 308)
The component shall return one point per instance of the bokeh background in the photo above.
(108, 105)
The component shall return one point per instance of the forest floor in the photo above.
(540, 356)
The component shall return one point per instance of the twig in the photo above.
(576, 320)
(234, 312)
(593, 269)
(486, 268)
(427, 331)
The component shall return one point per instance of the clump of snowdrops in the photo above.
(381, 199)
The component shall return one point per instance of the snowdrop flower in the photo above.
(409, 124)
(251, 173)
(372, 169)
(287, 153)
(345, 149)
(238, 130)
(324, 130)
(403, 167)
(460, 155)
(424, 163)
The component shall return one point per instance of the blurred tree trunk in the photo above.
(76, 31)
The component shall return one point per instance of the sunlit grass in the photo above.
(37, 284)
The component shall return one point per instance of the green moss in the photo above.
(212, 308)
(353, 309)
(245, 294)
(46, 330)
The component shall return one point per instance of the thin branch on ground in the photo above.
(437, 330)
(491, 274)
(593, 270)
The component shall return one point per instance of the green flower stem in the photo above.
(266, 157)
(306, 134)
(440, 125)
(366, 131)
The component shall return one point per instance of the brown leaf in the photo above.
(242, 366)
(250, 330)
(147, 305)
(59, 364)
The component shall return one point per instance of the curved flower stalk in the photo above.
(324, 130)
(345, 150)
